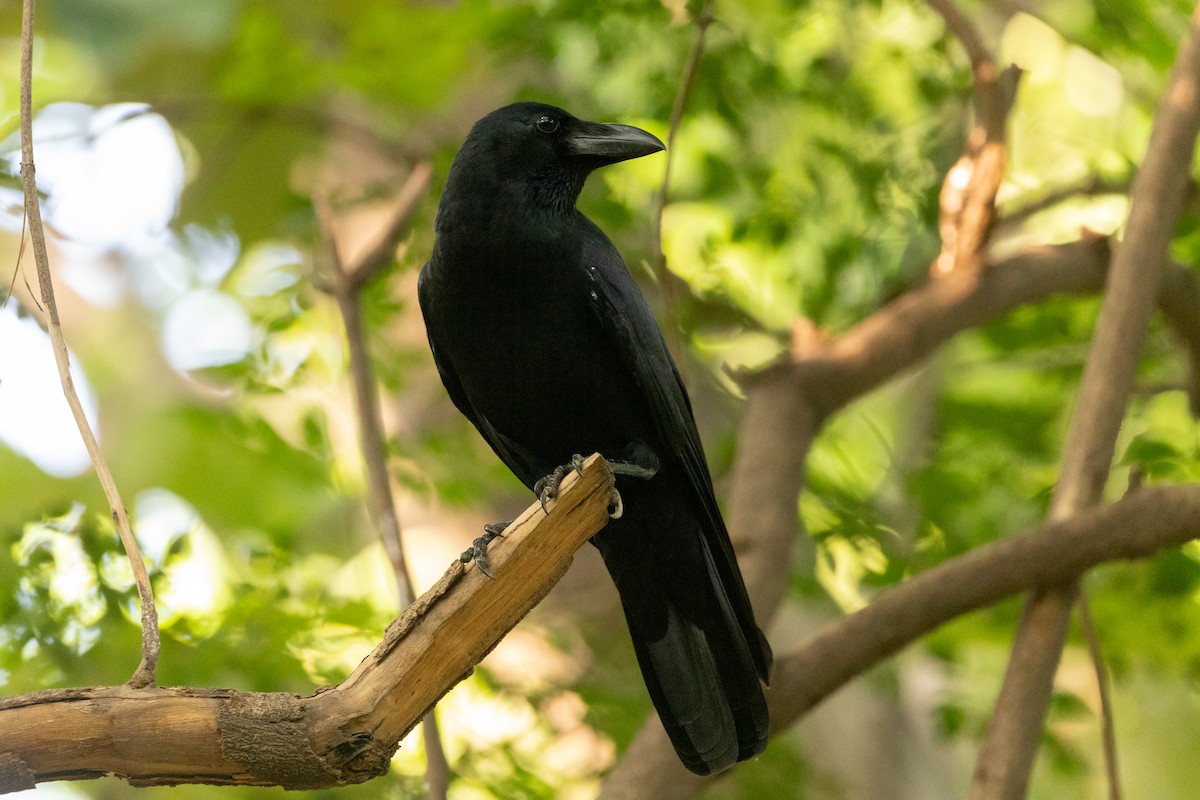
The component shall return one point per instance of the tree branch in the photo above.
(1144, 523)
(145, 673)
(346, 287)
(1011, 739)
(1179, 299)
(339, 735)
(968, 197)
(383, 251)
(667, 282)
(786, 407)
(1092, 186)
(1108, 731)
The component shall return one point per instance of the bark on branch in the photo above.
(339, 735)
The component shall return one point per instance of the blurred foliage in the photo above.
(805, 181)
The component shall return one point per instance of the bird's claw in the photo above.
(615, 507)
(478, 550)
(546, 487)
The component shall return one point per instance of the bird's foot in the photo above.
(478, 550)
(546, 487)
(615, 507)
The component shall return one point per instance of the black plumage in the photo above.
(545, 343)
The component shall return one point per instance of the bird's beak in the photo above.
(609, 143)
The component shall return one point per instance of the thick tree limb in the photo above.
(836, 371)
(1156, 200)
(787, 405)
(1142, 524)
(342, 734)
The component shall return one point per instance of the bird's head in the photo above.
(543, 152)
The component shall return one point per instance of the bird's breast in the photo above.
(533, 358)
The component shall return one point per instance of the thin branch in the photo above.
(341, 734)
(17, 266)
(1156, 200)
(667, 282)
(968, 197)
(989, 96)
(1108, 730)
(1179, 298)
(1092, 186)
(347, 285)
(372, 438)
(145, 674)
(893, 339)
(383, 252)
(326, 118)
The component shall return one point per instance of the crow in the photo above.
(545, 343)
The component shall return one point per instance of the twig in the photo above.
(1178, 298)
(1090, 187)
(667, 282)
(16, 266)
(372, 438)
(381, 254)
(1156, 201)
(968, 197)
(1108, 732)
(325, 118)
(144, 676)
(989, 97)
(347, 284)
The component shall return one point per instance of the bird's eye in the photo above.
(547, 124)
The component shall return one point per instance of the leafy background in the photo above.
(805, 184)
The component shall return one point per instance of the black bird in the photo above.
(545, 343)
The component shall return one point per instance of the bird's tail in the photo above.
(695, 656)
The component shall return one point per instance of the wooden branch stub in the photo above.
(339, 735)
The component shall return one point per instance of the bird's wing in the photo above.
(630, 325)
(521, 462)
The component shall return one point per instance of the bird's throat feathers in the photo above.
(556, 188)
(480, 200)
